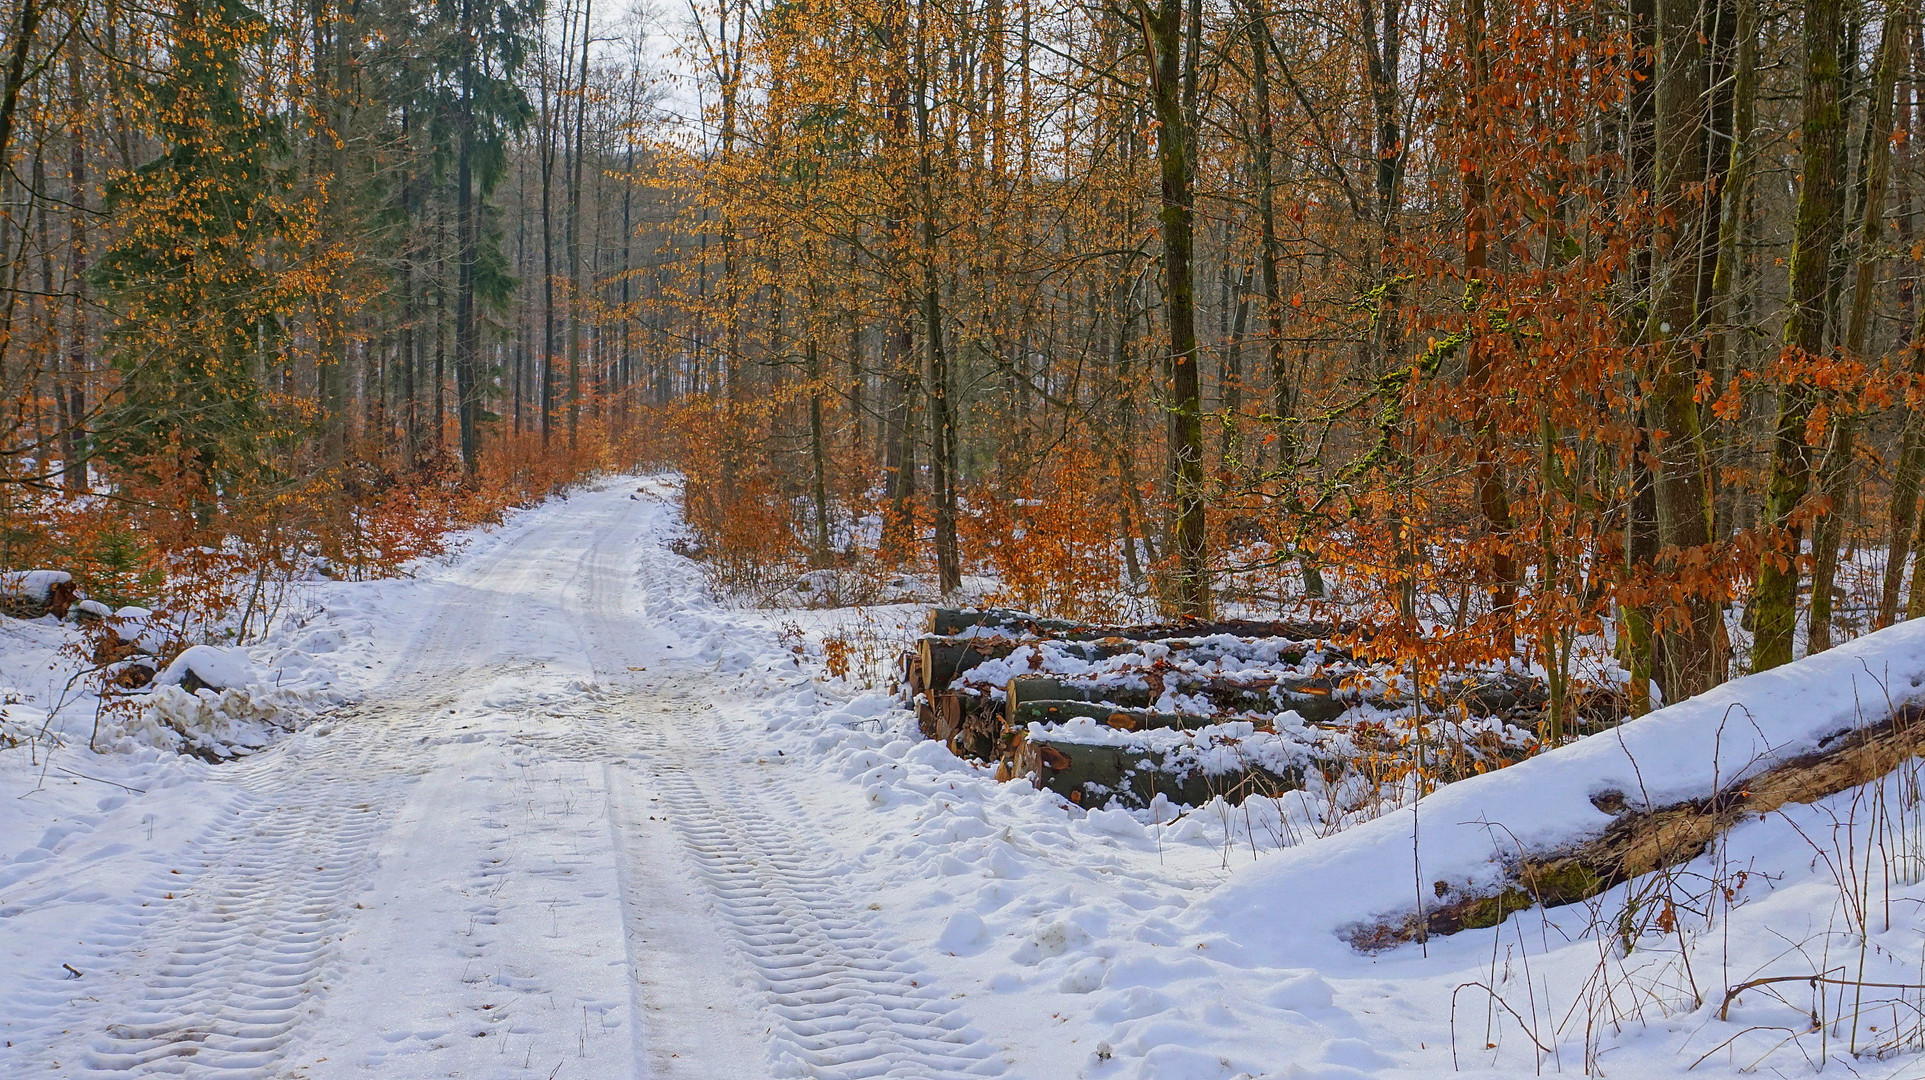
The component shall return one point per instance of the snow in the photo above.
(137, 627)
(215, 667)
(34, 585)
(549, 809)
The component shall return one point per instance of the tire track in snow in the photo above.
(845, 1001)
(219, 980)
(848, 1003)
(216, 974)
(248, 956)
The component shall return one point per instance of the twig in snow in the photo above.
(98, 780)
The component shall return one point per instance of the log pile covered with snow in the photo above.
(1196, 711)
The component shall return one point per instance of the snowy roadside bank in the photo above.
(1215, 946)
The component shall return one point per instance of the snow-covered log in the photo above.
(208, 667)
(1186, 770)
(1024, 713)
(947, 622)
(1640, 842)
(1570, 823)
(1316, 698)
(30, 594)
(938, 661)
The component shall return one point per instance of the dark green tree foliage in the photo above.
(488, 107)
(189, 276)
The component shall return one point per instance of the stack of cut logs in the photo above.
(1192, 711)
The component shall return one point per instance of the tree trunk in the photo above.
(576, 293)
(1282, 393)
(1816, 233)
(1492, 497)
(1166, 36)
(330, 65)
(1719, 316)
(818, 454)
(942, 440)
(1691, 649)
(1903, 512)
(546, 137)
(899, 371)
(467, 332)
(16, 78)
(942, 414)
(73, 448)
(1836, 476)
(410, 316)
(1236, 302)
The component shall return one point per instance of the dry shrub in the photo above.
(736, 502)
(1051, 539)
(865, 646)
(837, 650)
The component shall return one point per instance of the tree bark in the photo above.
(1691, 648)
(818, 452)
(24, 33)
(73, 392)
(467, 332)
(546, 137)
(1903, 511)
(1836, 475)
(1720, 317)
(942, 415)
(1816, 233)
(1269, 249)
(1166, 37)
(1492, 497)
(577, 293)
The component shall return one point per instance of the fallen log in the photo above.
(30, 594)
(1122, 719)
(940, 660)
(1316, 698)
(909, 670)
(975, 725)
(1095, 776)
(1640, 842)
(948, 622)
(944, 713)
(927, 718)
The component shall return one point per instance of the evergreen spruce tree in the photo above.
(189, 279)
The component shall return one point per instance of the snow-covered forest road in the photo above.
(530, 850)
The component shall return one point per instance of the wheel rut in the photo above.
(844, 1001)
(225, 961)
(234, 959)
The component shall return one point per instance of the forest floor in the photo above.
(573, 819)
